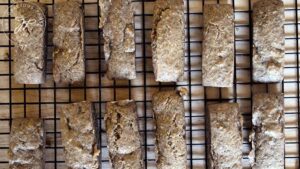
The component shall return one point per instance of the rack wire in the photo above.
(45, 100)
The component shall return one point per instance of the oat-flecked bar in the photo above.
(168, 40)
(68, 41)
(224, 136)
(218, 46)
(268, 131)
(268, 41)
(30, 42)
(117, 22)
(79, 135)
(26, 144)
(169, 119)
(124, 141)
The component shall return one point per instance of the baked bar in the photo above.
(26, 144)
(168, 37)
(30, 42)
(68, 41)
(224, 138)
(122, 127)
(268, 41)
(79, 135)
(117, 22)
(169, 118)
(124, 141)
(218, 46)
(268, 131)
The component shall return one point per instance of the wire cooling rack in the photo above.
(45, 100)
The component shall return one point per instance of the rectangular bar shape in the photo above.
(169, 119)
(26, 147)
(79, 135)
(268, 41)
(117, 22)
(268, 131)
(30, 43)
(168, 37)
(68, 41)
(218, 46)
(224, 138)
(124, 141)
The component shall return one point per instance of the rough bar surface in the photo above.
(218, 46)
(79, 136)
(26, 144)
(268, 41)
(225, 139)
(30, 43)
(117, 22)
(132, 160)
(68, 41)
(168, 40)
(124, 141)
(169, 118)
(268, 131)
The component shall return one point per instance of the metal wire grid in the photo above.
(45, 100)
